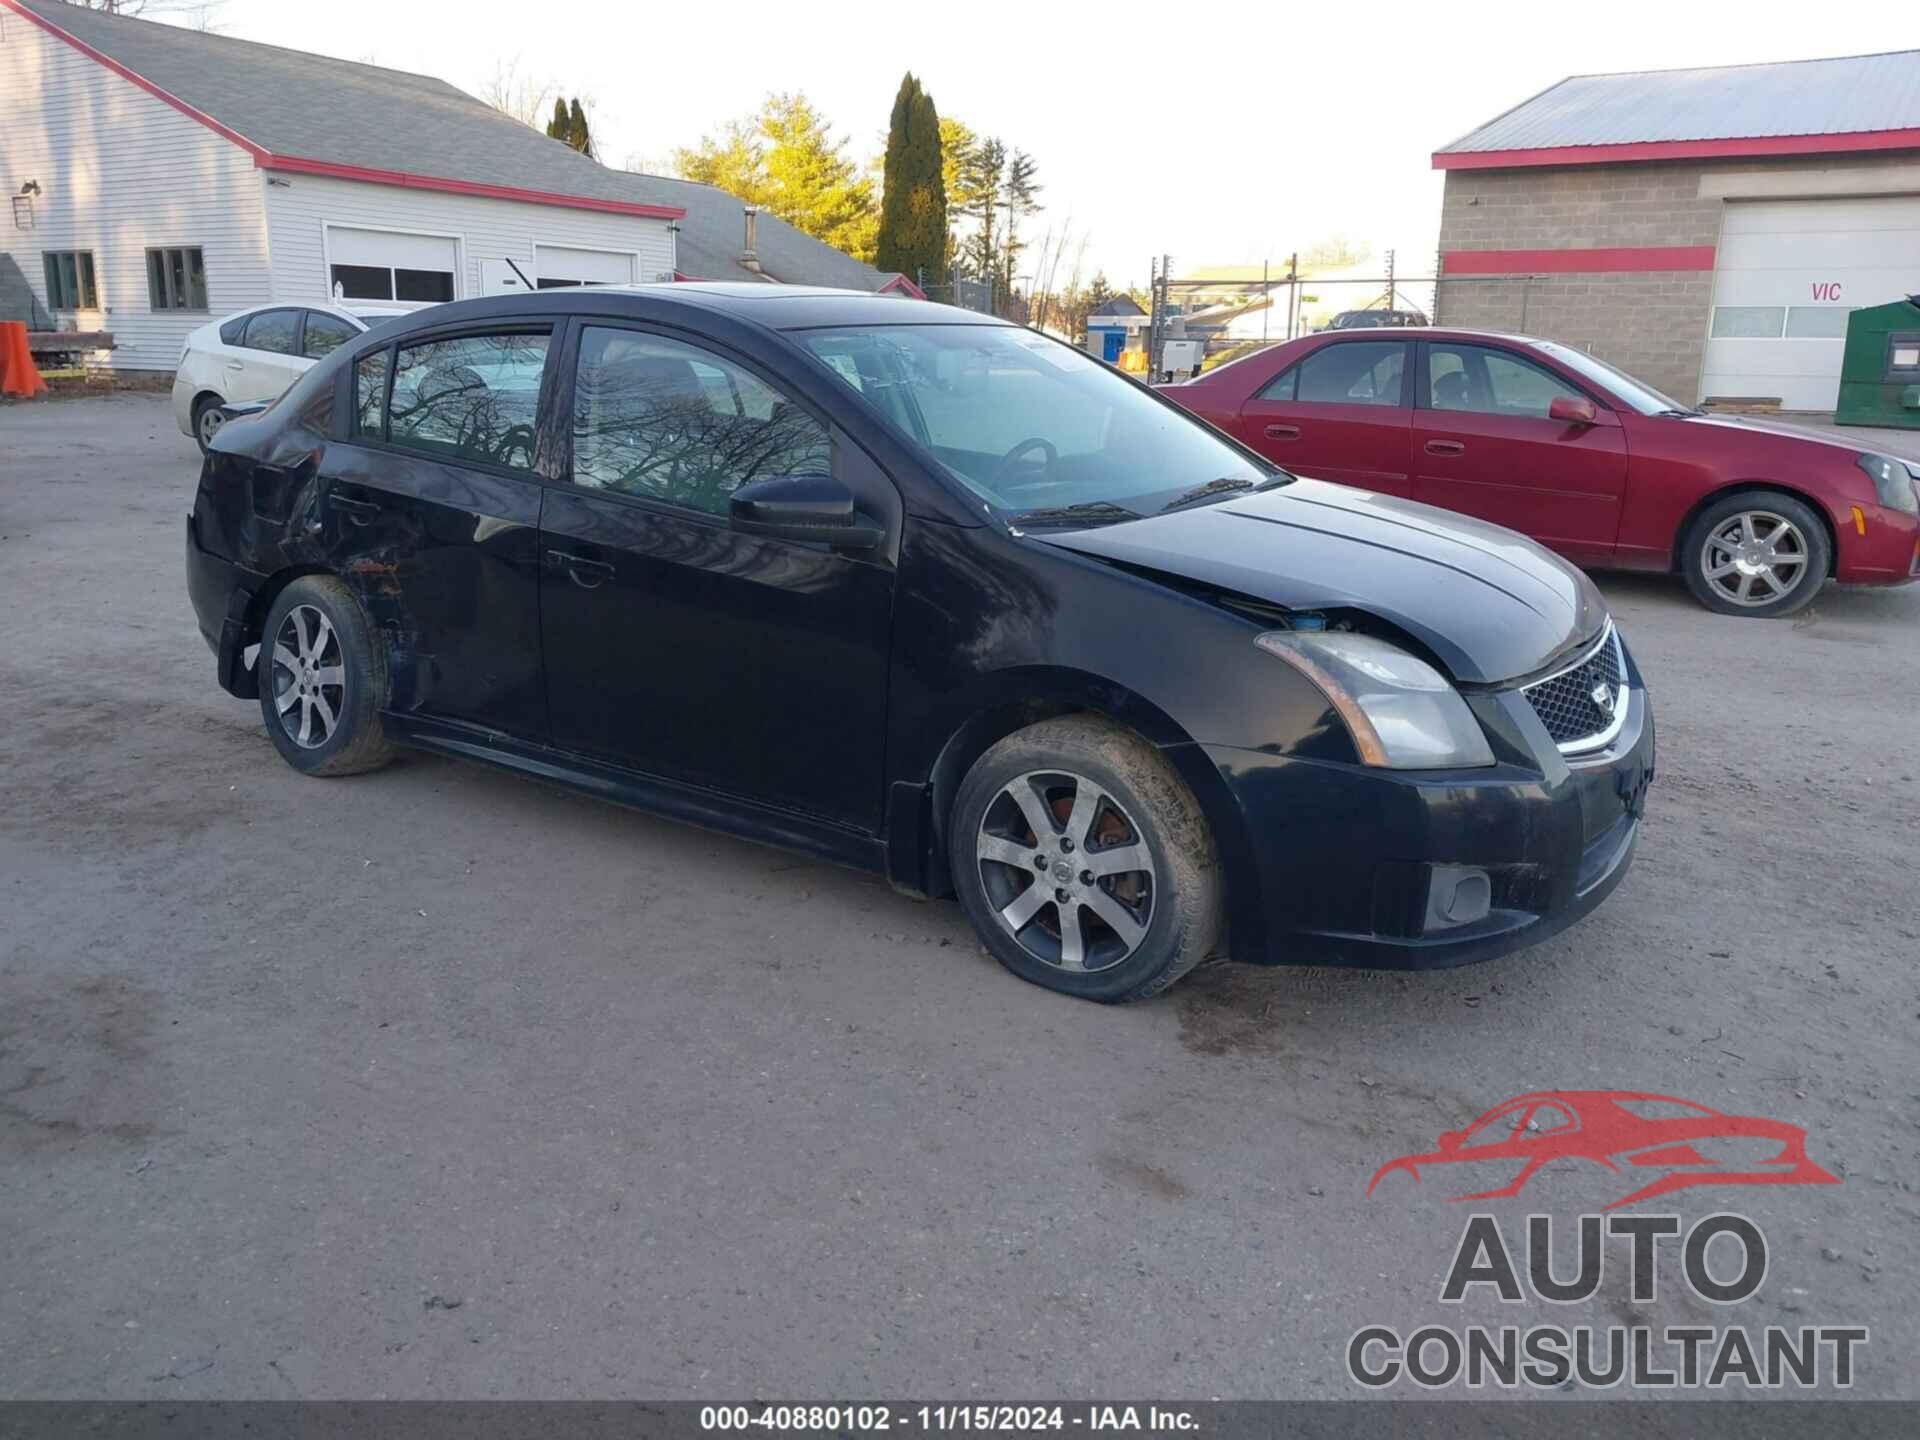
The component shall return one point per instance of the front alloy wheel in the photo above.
(1084, 861)
(1066, 871)
(1755, 558)
(1760, 553)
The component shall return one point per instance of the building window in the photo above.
(70, 280)
(1818, 322)
(381, 282)
(1748, 322)
(176, 278)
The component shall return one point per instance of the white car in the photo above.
(258, 353)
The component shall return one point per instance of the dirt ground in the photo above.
(439, 1083)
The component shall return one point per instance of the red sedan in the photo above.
(1553, 443)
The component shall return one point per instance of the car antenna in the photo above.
(521, 273)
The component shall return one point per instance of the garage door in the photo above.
(391, 265)
(561, 265)
(1786, 275)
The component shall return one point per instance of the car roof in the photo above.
(1432, 332)
(777, 307)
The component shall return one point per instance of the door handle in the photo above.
(233, 364)
(358, 511)
(1283, 432)
(587, 574)
(1445, 447)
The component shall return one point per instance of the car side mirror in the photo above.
(1571, 410)
(803, 507)
(1449, 1142)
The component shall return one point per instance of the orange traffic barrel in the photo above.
(18, 376)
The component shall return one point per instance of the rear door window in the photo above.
(274, 331)
(1353, 372)
(470, 398)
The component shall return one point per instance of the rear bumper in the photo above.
(1348, 858)
(222, 596)
(183, 392)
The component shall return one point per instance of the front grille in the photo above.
(1565, 702)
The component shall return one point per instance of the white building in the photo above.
(158, 176)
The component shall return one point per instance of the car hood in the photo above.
(1489, 604)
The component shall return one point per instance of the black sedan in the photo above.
(938, 597)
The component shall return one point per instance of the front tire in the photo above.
(1084, 861)
(323, 680)
(1760, 553)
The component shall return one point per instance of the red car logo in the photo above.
(1691, 1143)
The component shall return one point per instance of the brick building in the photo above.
(1707, 230)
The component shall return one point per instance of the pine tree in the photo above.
(578, 135)
(787, 161)
(913, 207)
(560, 127)
(1019, 198)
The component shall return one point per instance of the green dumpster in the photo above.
(1880, 376)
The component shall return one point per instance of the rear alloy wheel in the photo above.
(1761, 554)
(1084, 861)
(323, 680)
(207, 420)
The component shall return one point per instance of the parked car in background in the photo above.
(935, 596)
(256, 354)
(1373, 319)
(1551, 442)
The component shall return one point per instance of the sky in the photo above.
(1240, 133)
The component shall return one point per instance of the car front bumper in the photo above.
(1350, 859)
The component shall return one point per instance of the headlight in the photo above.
(1894, 482)
(1402, 712)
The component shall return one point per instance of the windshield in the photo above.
(1029, 424)
(1624, 387)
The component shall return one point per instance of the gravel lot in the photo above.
(439, 1083)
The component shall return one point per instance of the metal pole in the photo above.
(1266, 294)
(1293, 291)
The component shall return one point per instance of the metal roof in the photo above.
(1850, 95)
(298, 111)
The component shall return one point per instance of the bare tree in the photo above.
(513, 92)
(198, 13)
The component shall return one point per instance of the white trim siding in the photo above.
(300, 209)
(122, 172)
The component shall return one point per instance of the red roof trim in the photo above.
(1577, 262)
(125, 74)
(901, 282)
(293, 164)
(1852, 142)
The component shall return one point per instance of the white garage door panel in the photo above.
(391, 249)
(595, 267)
(1839, 254)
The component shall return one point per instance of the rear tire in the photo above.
(207, 420)
(323, 680)
(1759, 553)
(1084, 862)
